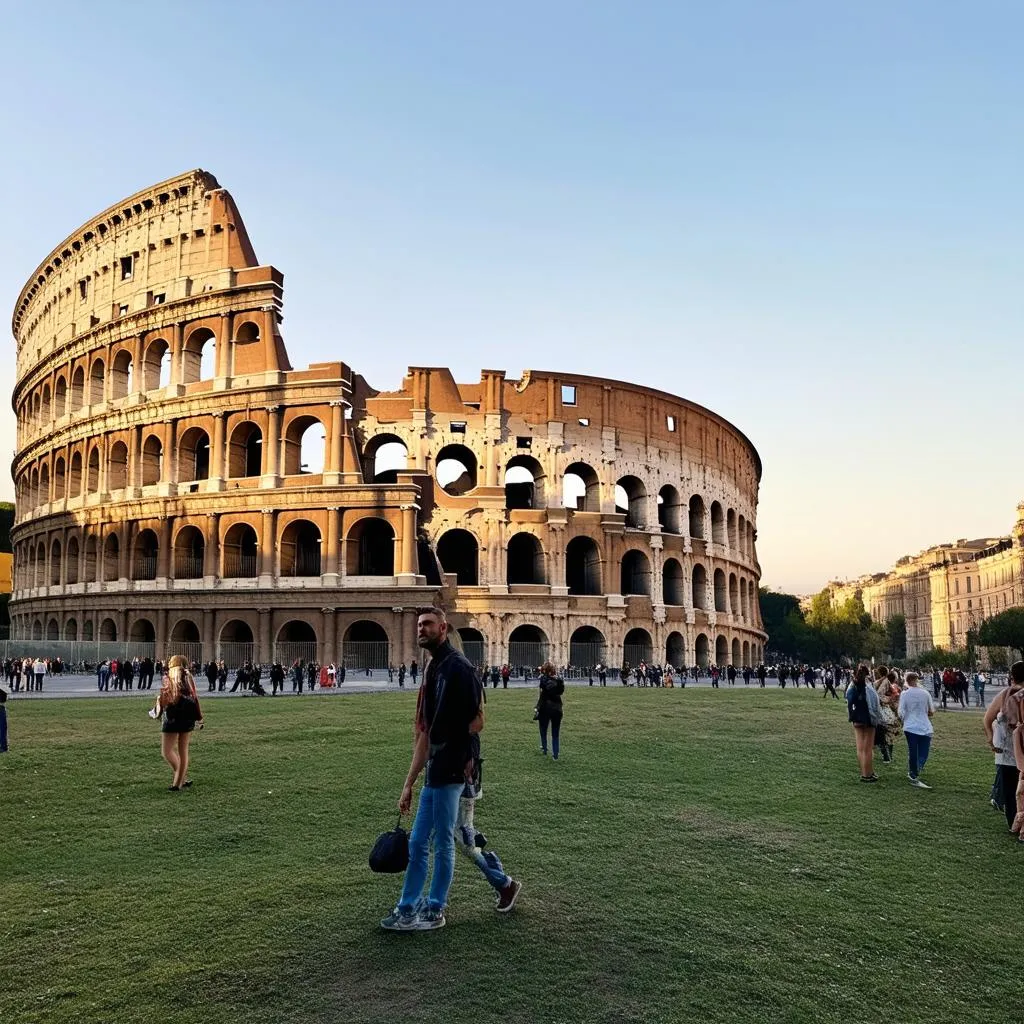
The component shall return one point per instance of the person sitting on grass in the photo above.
(916, 711)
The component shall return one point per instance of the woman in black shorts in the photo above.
(177, 705)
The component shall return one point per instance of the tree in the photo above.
(1003, 630)
(896, 636)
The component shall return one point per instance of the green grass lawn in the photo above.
(695, 856)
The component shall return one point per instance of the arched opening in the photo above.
(717, 523)
(300, 549)
(700, 587)
(586, 647)
(111, 557)
(75, 481)
(675, 650)
(305, 442)
(117, 467)
(72, 555)
(199, 356)
(701, 651)
(91, 569)
(156, 365)
(60, 479)
(365, 646)
(189, 553)
(455, 469)
(77, 389)
(637, 647)
(721, 652)
(458, 553)
(71, 630)
(241, 550)
(371, 548)
(96, 380)
(145, 558)
(93, 484)
(474, 645)
(743, 599)
(741, 530)
(730, 528)
(53, 630)
(47, 406)
(527, 647)
(245, 451)
(187, 640)
(636, 574)
(734, 594)
(40, 573)
(746, 654)
(631, 501)
(44, 484)
(37, 629)
(152, 461)
(60, 398)
(384, 457)
(236, 644)
(87, 630)
(524, 560)
(669, 510)
(672, 588)
(583, 566)
(33, 487)
(55, 552)
(697, 517)
(122, 373)
(296, 641)
(736, 653)
(581, 489)
(108, 631)
(720, 597)
(524, 483)
(142, 631)
(194, 455)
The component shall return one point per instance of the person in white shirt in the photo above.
(916, 710)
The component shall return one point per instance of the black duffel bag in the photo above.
(390, 853)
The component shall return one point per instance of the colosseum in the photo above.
(181, 488)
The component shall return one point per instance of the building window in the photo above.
(122, 310)
(584, 422)
(83, 289)
(670, 422)
(568, 394)
(126, 267)
(524, 442)
(457, 426)
(969, 585)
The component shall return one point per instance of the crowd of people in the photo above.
(30, 672)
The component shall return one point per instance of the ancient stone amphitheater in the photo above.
(181, 488)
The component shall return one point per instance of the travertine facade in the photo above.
(181, 487)
(946, 590)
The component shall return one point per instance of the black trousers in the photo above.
(1008, 778)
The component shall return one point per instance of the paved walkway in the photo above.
(77, 685)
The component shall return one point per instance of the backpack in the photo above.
(390, 853)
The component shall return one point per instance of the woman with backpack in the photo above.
(549, 707)
(865, 713)
(177, 705)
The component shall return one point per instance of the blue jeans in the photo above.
(489, 863)
(435, 816)
(917, 749)
(556, 722)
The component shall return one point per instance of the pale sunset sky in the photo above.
(805, 216)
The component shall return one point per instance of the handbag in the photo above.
(390, 853)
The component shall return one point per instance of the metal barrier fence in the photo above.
(78, 652)
(528, 654)
(633, 654)
(373, 654)
(192, 651)
(585, 656)
(234, 653)
(287, 652)
(475, 650)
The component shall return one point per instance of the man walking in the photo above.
(450, 703)
(1002, 719)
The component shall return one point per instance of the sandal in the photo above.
(174, 789)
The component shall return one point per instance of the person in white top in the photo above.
(40, 671)
(916, 710)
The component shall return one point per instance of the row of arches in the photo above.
(90, 471)
(92, 382)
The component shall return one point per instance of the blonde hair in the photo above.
(179, 677)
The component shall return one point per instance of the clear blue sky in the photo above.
(804, 215)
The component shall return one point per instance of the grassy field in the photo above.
(695, 856)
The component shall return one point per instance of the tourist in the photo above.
(40, 671)
(449, 704)
(888, 729)
(332, 675)
(979, 689)
(916, 710)
(276, 678)
(1001, 723)
(177, 705)
(413, 669)
(864, 710)
(549, 708)
(3, 720)
(602, 674)
(762, 675)
(829, 681)
(401, 676)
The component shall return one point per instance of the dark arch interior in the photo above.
(583, 566)
(458, 553)
(525, 559)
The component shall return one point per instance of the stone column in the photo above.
(556, 560)
(330, 566)
(268, 546)
(223, 354)
(135, 460)
(124, 552)
(658, 567)
(211, 554)
(329, 653)
(163, 555)
(272, 448)
(170, 467)
(161, 634)
(138, 373)
(407, 562)
(264, 648)
(209, 641)
(216, 480)
(335, 444)
(177, 352)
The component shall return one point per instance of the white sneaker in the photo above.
(919, 784)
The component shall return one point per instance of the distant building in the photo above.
(945, 590)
